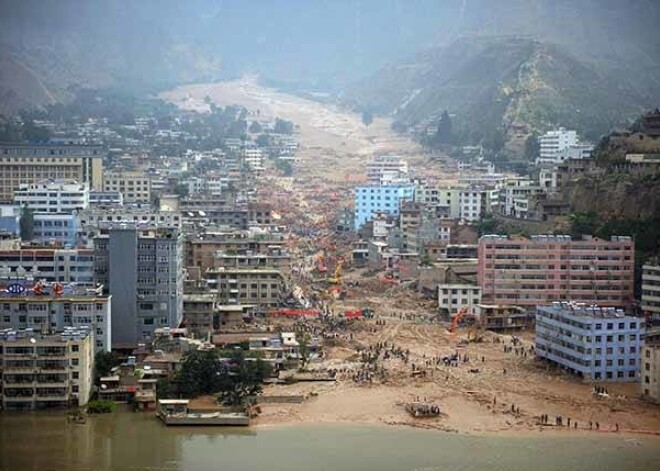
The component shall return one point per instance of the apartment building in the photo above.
(254, 158)
(370, 200)
(553, 142)
(201, 316)
(50, 264)
(135, 187)
(651, 289)
(386, 169)
(468, 203)
(502, 318)
(105, 199)
(454, 297)
(596, 343)
(43, 371)
(141, 267)
(50, 228)
(235, 248)
(261, 287)
(93, 220)
(32, 163)
(650, 365)
(45, 307)
(63, 197)
(543, 269)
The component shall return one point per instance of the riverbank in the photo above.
(138, 441)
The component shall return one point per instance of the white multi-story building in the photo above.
(254, 158)
(473, 204)
(385, 169)
(49, 264)
(53, 196)
(454, 297)
(466, 203)
(39, 371)
(553, 143)
(92, 220)
(27, 304)
(651, 289)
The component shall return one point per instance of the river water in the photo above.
(135, 441)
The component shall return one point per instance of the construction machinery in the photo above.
(475, 332)
(336, 279)
(457, 319)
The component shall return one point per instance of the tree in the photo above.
(164, 388)
(104, 362)
(200, 373)
(584, 223)
(255, 128)
(285, 166)
(32, 132)
(367, 118)
(26, 224)
(444, 133)
(304, 341)
(283, 127)
(182, 190)
(532, 147)
(242, 379)
(263, 140)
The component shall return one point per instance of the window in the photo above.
(74, 362)
(631, 362)
(75, 375)
(74, 348)
(610, 326)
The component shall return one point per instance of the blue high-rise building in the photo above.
(373, 199)
(598, 344)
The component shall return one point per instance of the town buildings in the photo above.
(135, 187)
(50, 228)
(650, 365)
(53, 196)
(454, 297)
(544, 269)
(51, 264)
(32, 163)
(46, 370)
(263, 287)
(385, 169)
(554, 142)
(52, 307)
(596, 343)
(384, 198)
(651, 289)
(142, 268)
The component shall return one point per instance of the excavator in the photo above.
(336, 279)
(457, 319)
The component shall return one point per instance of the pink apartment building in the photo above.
(529, 272)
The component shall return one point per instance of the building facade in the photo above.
(380, 199)
(544, 269)
(554, 142)
(650, 365)
(260, 287)
(21, 307)
(55, 229)
(32, 163)
(49, 264)
(598, 344)
(135, 187)
(62, 197)
(651, 289)
(142, 269)
(454, 297)
(386, 169)
(41, 371)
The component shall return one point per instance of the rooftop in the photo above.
(582, 309)
(34, 337)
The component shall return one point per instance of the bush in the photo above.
(101, 407)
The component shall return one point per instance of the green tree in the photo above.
(444, 133)
(255, 128)
(182, 190)
(104, 362)
(164, 388)
(26, 224)
(285, 166)
(304, 349)
(532, 147)
(242, 379)
(200, 373)
(32, 132)
(584, 223)
(367, 118)
(283, 127)
(263, 140)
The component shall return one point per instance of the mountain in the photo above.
(486, 81)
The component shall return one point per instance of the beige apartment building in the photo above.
(135, 187)
(42, 371)
(261, 287)
(32, 163)
(650, 365)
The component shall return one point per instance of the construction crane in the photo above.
(457, 318)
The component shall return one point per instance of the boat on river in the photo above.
(175, 412)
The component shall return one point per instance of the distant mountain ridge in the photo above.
(487, 81)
